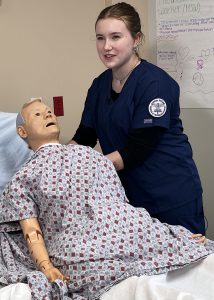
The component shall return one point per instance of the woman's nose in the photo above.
(107, 45)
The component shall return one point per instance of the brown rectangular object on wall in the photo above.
(58, 106)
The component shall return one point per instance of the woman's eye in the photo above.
(99, 38)
(37, 114)
(115, 37)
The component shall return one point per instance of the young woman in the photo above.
(133, 110)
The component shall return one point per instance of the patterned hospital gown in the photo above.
(91, 232)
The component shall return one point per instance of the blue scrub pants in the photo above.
(190, 215)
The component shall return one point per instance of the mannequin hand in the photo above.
(201, 238)
(53, 274)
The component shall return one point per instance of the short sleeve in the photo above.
(16, 203)
(155, 105)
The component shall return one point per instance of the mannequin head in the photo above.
(37, 124)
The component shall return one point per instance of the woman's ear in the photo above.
(138, 39)
(21, 132)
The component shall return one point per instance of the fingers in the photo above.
(200, 238)
(53, 274)
(65, 279)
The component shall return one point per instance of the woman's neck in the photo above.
(122, 74)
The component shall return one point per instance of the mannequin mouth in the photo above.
(50, 124)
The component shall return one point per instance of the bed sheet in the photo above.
(18, 291)
(194, 282)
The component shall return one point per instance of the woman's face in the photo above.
(114, 43)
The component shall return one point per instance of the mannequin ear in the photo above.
(21, 132)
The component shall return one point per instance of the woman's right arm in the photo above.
(85, 136)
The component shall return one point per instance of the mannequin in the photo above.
(37, 133)
(31, 115)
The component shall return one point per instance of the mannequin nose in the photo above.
(48, 114)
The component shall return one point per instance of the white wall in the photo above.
(48, 49)
(199, 124)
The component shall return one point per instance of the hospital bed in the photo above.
(194, 282)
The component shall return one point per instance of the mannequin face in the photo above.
(40, 125)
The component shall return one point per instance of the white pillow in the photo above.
(13, 150)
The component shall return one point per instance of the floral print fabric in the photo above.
(91, 232)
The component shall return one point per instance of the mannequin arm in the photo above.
(36, 246)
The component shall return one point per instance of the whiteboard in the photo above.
(185, 48)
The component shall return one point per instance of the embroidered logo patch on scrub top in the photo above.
(157, 107)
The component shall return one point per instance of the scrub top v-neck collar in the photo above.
(128, 82)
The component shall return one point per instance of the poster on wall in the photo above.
(185, 48)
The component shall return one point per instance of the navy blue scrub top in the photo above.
(168, 178)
